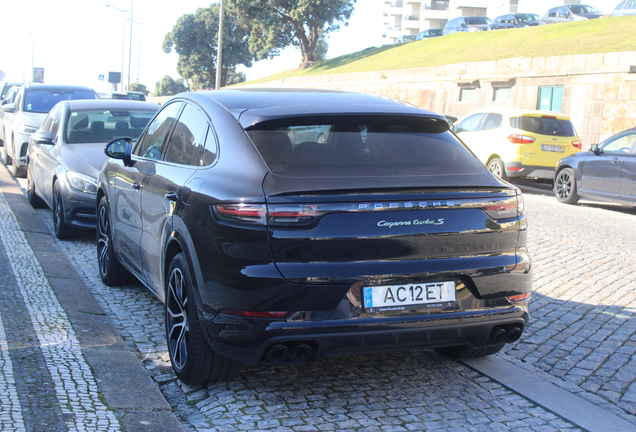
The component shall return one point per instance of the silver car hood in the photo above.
(84, 158)
(30, 119)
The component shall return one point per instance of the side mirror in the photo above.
(9, 108)
(594, 148)
(121, 149)
(43, 138)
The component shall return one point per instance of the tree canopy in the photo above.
(169, 87)
(276, 24)
(194, 37)
(139, 87)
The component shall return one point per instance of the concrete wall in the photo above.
(599, 89)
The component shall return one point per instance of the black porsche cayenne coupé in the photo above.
(286, 225)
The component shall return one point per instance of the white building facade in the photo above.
(409, 17)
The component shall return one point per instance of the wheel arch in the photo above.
(178, 242)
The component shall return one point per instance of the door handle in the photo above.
(136, 186)
(171, 196)
(615, 160)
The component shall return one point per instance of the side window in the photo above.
(18, 102)
(624, 144)
(210, 149)
(563, 12)
(188, 138)
(552, 12)
(470, 124)
(493, 120)
(149, 146)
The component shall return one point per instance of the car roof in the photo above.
(86, 104)
(512, 111)
(252, 105)
(58, 87)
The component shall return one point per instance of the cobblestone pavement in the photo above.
(581, 338)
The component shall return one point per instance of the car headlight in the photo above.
(81, 182)
(26, 129)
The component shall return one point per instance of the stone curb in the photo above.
(122, 380)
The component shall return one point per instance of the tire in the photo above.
(32, 197)
(193, 360)
(497, 168)
(111, 271)
(565, 187)
(7, 159)
(62, 230)
(465, 351)
(18, 172)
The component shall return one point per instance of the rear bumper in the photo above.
(517, 169)
(370, 335)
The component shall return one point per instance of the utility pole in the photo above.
(130, 45)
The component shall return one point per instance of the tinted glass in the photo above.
(188, 138)
(210, 149)
(149, 146)
(527, 17)
(364, 146)
(91, 126)
(470, 124)
(622, 144)
(43, 101)
(5, 91)
(46, 126)
(493, 120)
(55, 124)
(436, 32)
(476, 20)
(543, 125)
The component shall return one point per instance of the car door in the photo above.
(166, 187)
(628, 171)
(127, 193)
(601, 173)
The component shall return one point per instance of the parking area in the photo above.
(582, 339)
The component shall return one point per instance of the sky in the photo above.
(76, 41)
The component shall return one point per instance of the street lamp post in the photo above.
(130, 43)
(139, 56)
(123, 41)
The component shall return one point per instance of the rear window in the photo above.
(351, 146)
(42, 101)
(545, 125)
(476, 20)
(93, 126)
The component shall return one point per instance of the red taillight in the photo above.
(292, 214)
(253, 214)
(519, 297)
(549, 117)
(520, 139)
(577, 143)
(509, 208)
(515, 169)
(255, 314)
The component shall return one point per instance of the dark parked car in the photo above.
(510, 21)
(570, 13)
(467, 24)
(67, 153)
(388, 235)
(606, 173)
(430, 33)
(27, 113)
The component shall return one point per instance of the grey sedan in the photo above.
(606, 173)
(66, 154)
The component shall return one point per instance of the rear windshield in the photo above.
(527, 17)
(372, 145)
(545, 125)
(583, 9)
(93, 126)
(42, 101)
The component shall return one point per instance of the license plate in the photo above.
(552, 148)
(408, 296)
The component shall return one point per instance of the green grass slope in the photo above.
(583, 37)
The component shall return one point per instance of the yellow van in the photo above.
(518, 143)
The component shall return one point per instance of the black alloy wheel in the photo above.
(565, 187)
(497, 168)
(60, 227)
(193, 360)
(111, 271)
(32, 197)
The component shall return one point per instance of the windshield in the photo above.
(358, 145)
(92, 126)
(546, 125)
(527, 17)
(436, 32)
(42, 101)
(477, 20)
(583, 9)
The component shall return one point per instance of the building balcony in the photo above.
(435, 5)
(415, 3)
(411, 22)
(434, 14)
